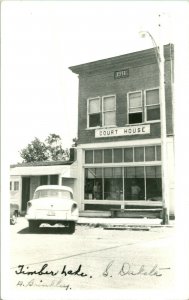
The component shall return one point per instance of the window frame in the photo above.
(145, 105)
(16, 185)
(128, 107)
(88, 114)
(101, 111)
(105, 111)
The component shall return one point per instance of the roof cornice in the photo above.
(133, 59)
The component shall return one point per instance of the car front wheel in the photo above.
(33, 226)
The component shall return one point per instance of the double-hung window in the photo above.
(94, 112)
(109, 110)
(152, 105)
(135, 107)
(101, 111)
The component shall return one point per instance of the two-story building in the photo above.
(119, 132)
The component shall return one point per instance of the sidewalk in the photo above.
(121, 223)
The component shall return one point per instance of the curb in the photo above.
(134, 227)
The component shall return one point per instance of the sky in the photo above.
(42, 39)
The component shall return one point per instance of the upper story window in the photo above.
(101, 111)
(94, 112)
(152, 105)
(109, 110)
(143, 110)
(135, 108)
(16, 185)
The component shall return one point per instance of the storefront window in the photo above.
(113, 184)
(93, 183)
(134, 183)
(123, 183)
(153, 183)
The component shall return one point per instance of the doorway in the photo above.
(25, 192)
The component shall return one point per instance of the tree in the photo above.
(51, 149)
(54, 148)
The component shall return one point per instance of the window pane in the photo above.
(158, 152)
(91, 173)
(150, 172)
(93, 183)
(118, 155)
(43, 180)
(139, 172)
(94, 120)
(150, 153)
(108, 173)
(54, 179)
(135, 118)
(16, 186)
(94, 106)
(152, 97)
(117, 172)
(108, 103)
(134, 183)
(110, 118)
(10, 185)
(113, 184)
(158, 172)
(128, 154)
(135, 100)
(89, 156)
(108, 155)
(139, 154)
(97, 156)
(153, 113)
(130, 172)
(135, 110)
(153, 183)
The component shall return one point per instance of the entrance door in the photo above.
(25, 192)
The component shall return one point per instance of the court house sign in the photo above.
(121, 131)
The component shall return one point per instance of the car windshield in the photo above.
(53, 193)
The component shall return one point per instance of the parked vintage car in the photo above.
(52, 204)
(14, 212)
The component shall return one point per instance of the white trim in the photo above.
(124, 164)
(117, 144)
(119, 202)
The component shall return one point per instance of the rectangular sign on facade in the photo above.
(121, 131)
(121, 74)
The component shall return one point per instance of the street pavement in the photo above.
(92, 258)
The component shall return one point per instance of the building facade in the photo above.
(119, 132)
(25, 178)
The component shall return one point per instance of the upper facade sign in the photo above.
(122, 131)
(121, 74)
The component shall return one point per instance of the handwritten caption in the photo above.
(57, 277)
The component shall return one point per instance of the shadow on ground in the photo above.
(46, 230)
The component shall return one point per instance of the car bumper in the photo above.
(52, 216)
